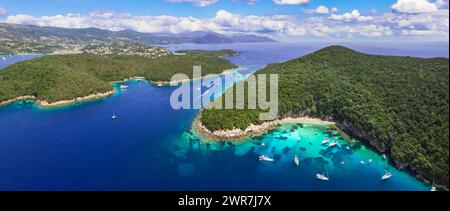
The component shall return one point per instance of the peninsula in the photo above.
(399, 105)
(63, 79)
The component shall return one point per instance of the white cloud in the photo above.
(291, 2)
(322, 10)
(442, 4)
(351, 16)
(197, 3)
(414, 6)
(334, 10)
(2, 11)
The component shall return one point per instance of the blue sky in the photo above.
(161, 7)
(423, 20)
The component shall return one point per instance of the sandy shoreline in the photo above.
(27, 97)
(45, 104)
(252, 130)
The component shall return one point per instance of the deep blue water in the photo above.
(150, 146)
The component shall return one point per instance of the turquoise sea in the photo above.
(151, 146)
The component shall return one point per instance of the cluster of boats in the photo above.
(324, 176)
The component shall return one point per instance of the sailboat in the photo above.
(386, 176)
(433, 189)
(322, 177)
(123, 87)
(325, 141)
(114, 116)
(296, 160)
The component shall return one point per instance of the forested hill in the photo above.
(55, 78)
(399, 104)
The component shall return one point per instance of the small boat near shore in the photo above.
(325, 141)
(386, 176)
(123, 87)
(265, 158)
(334, 143)
(296, 160)
(433, 189)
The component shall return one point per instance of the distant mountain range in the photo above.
(29, 33)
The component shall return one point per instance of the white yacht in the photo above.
(386, 176)
(123, 87)
(334, 143)
(325, 141)
(114, 117)
(433, 189)
(265, 158)
(296, 160)
(322, 177)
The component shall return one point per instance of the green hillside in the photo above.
(400, 104)
(55, 78)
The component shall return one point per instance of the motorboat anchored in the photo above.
(386, 176)
(296, 160)
(334, 143)
(265, 158)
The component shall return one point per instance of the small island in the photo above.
(398, 105)
(64, 79)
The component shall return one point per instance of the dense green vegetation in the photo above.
(219, 53)
(401, 104)
(55, 78)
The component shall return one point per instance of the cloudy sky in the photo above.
(290, 20)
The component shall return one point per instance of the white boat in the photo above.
(123, 87)
(384, 156)
(325, 141)
(348, 148)
(342, 163)
(296, 160)
(263, 144)
(433, 189)
(370, 160)
(386, 176)
(322, 177)
(114, 117)
(363, 163)
(159, 85)
(265, 158)
(334, 143)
